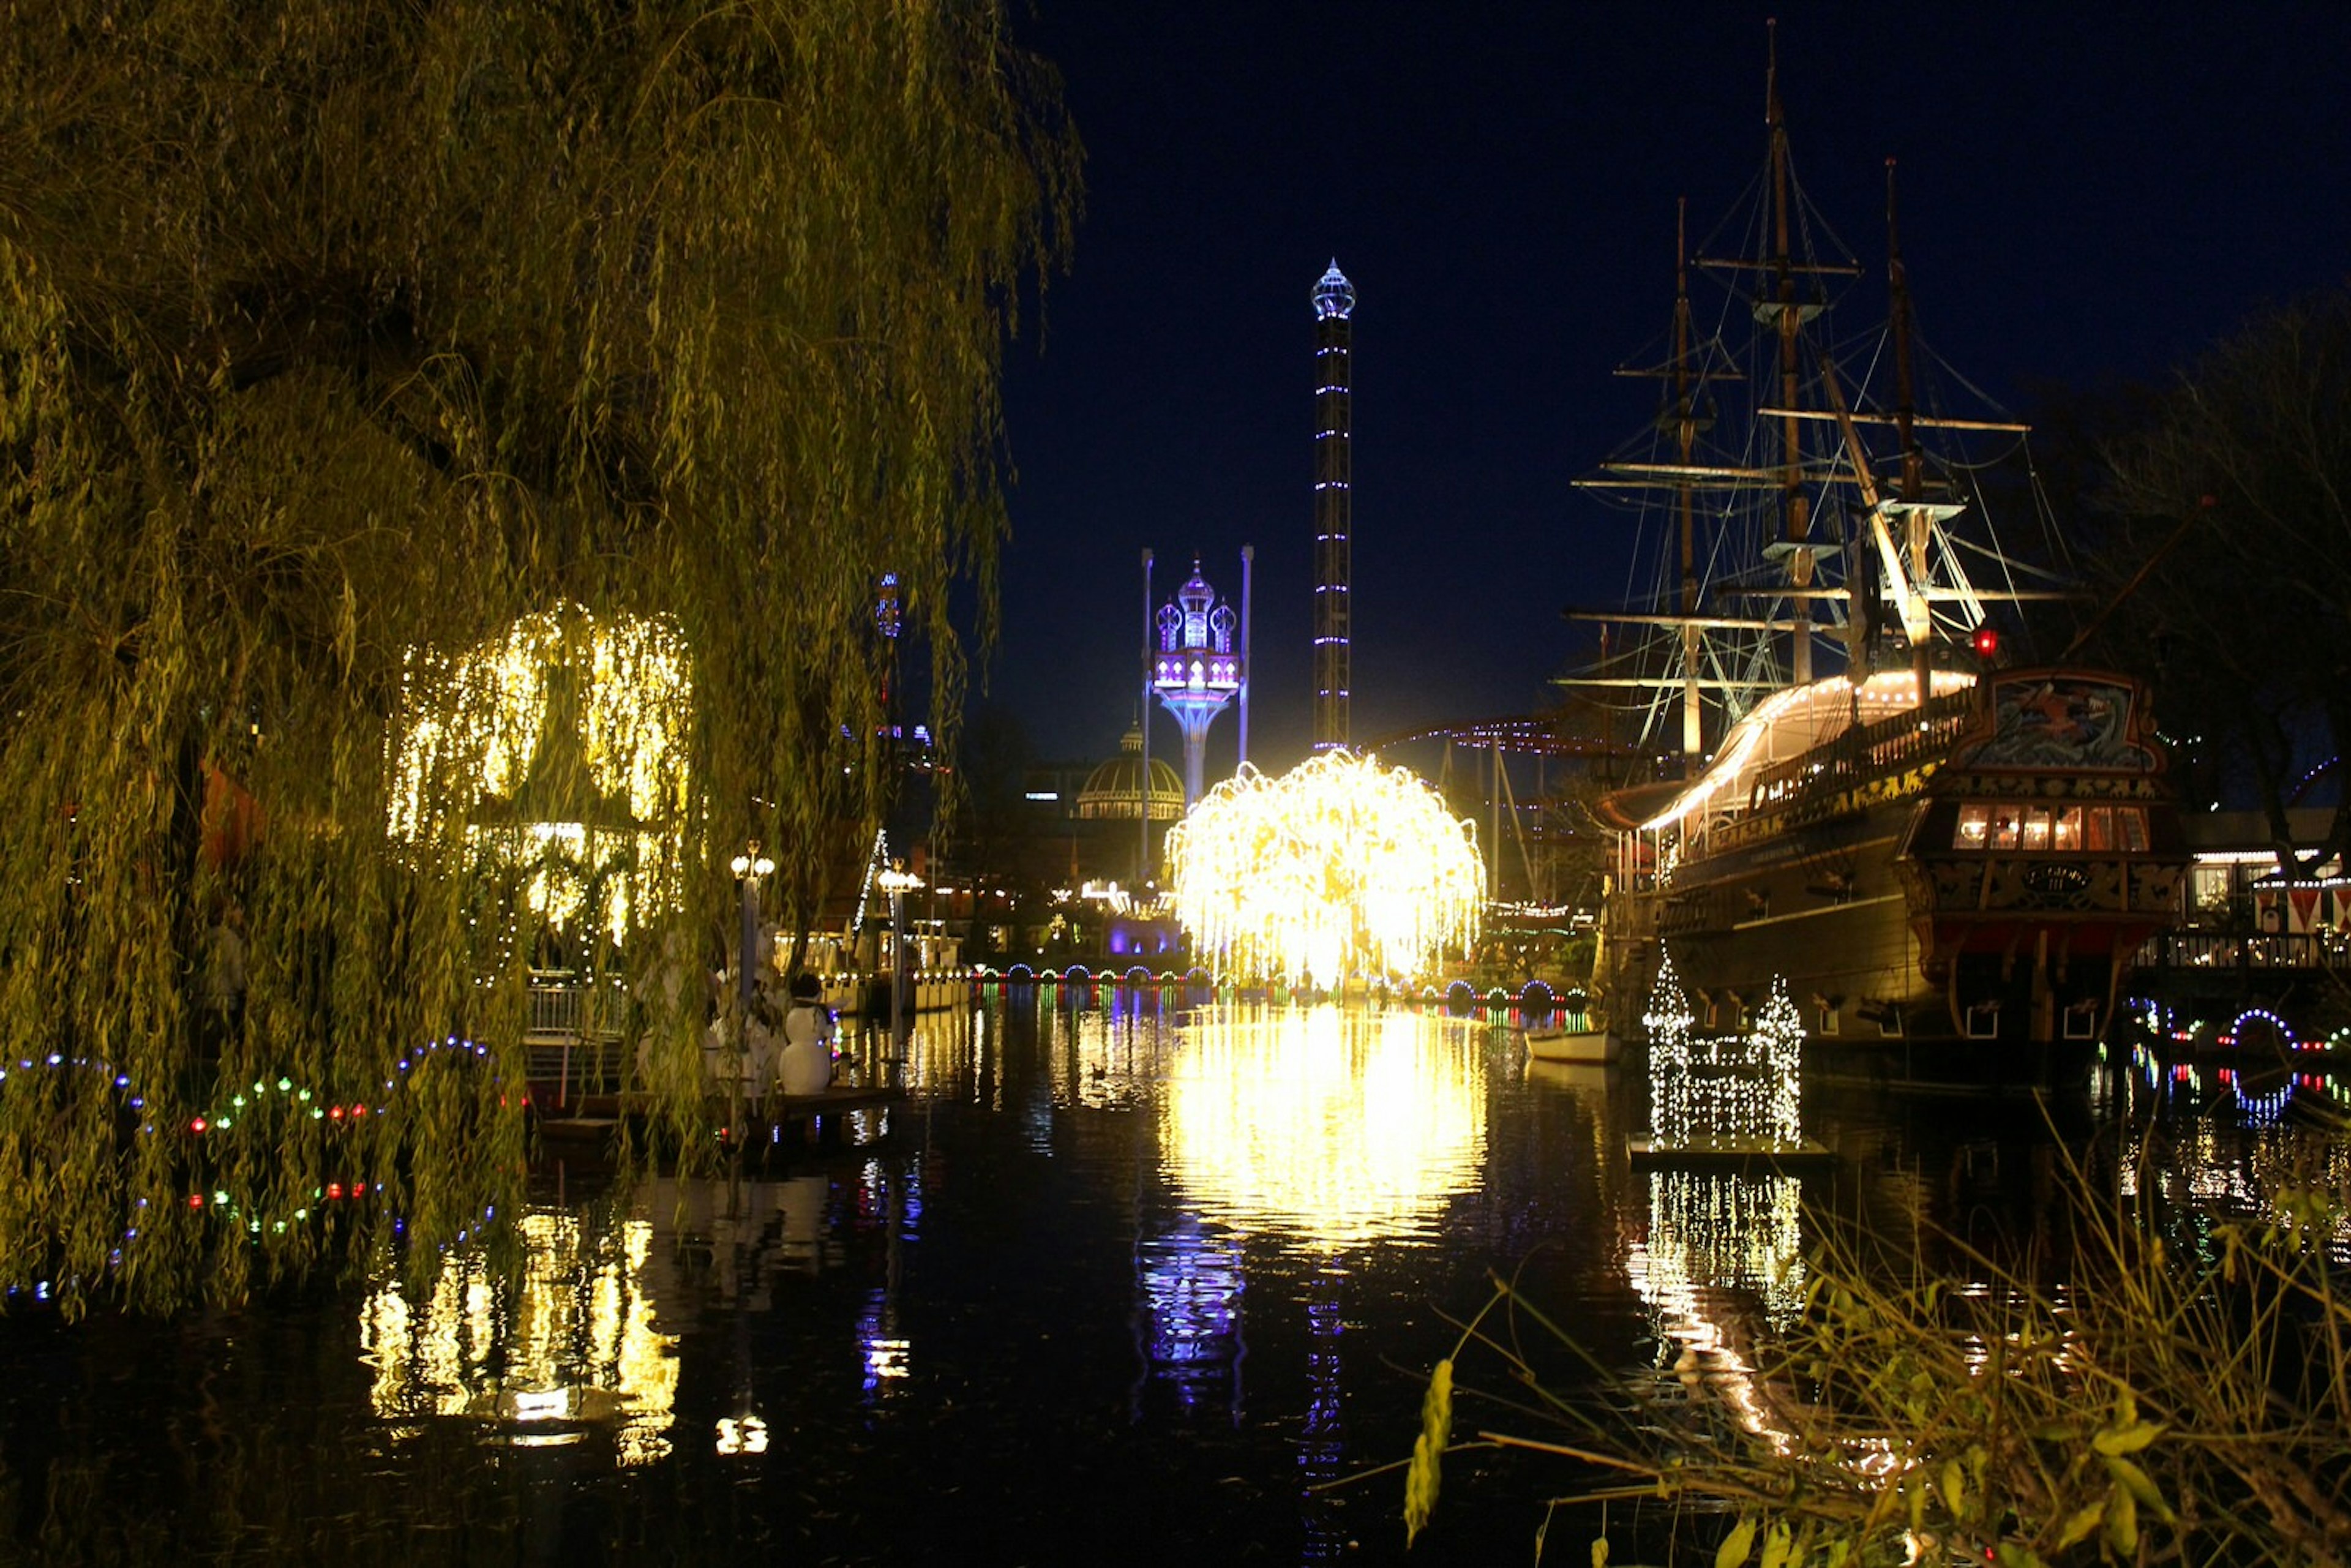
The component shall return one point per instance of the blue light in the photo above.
(1334, 295)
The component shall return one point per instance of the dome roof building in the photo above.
(1115, 790)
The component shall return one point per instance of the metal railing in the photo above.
(2219, 952)
(573, 1032)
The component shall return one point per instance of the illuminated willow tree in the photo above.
(1338, 867)
(334, 336)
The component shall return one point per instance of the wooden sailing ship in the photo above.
(1855, 793)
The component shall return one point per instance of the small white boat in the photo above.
(1591, 1045)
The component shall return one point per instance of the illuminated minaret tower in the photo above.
(1197, 668)
(1334, 302)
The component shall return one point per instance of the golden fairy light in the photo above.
(558, 751)
(1339, 1125)
(1338, 867)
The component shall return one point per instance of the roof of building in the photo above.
(1114, 790)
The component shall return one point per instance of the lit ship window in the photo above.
(2067, 829)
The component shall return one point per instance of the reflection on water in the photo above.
(1721, 1247)
(1187, 1328)
(2242, 1144)
(568, 1342)
(1335, 1124)
(1710, 1232)
(1184, 1263)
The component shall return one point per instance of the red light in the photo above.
(334, 1189)
(336, 1114)
(197, 1125)
(1986, 642)
(195, 1200)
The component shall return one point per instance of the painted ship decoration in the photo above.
(1848, 789)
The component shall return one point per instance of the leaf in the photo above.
(1735, 1546)
(1421, 1478)
(2122, 1521)
(1599, 1552)
(2009, 1554)
(2083, 1521)
(1776, 1542)
(1954, 1487)
(2137, 1484)
(2128, 1440)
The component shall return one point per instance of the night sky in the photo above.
(2088, 192)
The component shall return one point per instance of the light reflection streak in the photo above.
(1323, 1455)
(747, 1435)
(570, 1339)
(1110, 1055)
(1187, 1327)
(951, 1054)
(1336, 1125)
(886, 1352)
(1709, 1234)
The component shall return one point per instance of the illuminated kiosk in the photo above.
(556, 752)
(1200, 667)
(553, 757)
(1732, 1098)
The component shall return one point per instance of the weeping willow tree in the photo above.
(340, 341)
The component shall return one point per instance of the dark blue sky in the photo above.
(2089, 191)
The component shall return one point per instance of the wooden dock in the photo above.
(1731, 1154)
(598, 1118)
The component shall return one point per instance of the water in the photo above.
(1124, 1282)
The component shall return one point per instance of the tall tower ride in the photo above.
(1334, 303)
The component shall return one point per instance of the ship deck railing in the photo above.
(1870, 751)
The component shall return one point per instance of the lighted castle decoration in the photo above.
(1199, 667)
(1335, 304)
(1735, 1093)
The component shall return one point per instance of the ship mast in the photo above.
(1914, 515)
(1685, 498)
(1796, 507)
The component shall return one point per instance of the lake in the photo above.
(1123, 1278)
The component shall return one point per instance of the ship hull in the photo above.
(1907, 907)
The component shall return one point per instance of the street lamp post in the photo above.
(749, 867)
(897, 882)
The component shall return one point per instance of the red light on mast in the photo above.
(1986, 642)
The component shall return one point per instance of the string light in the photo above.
(1734, 1092)
(1337, 867)
(478, 724)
